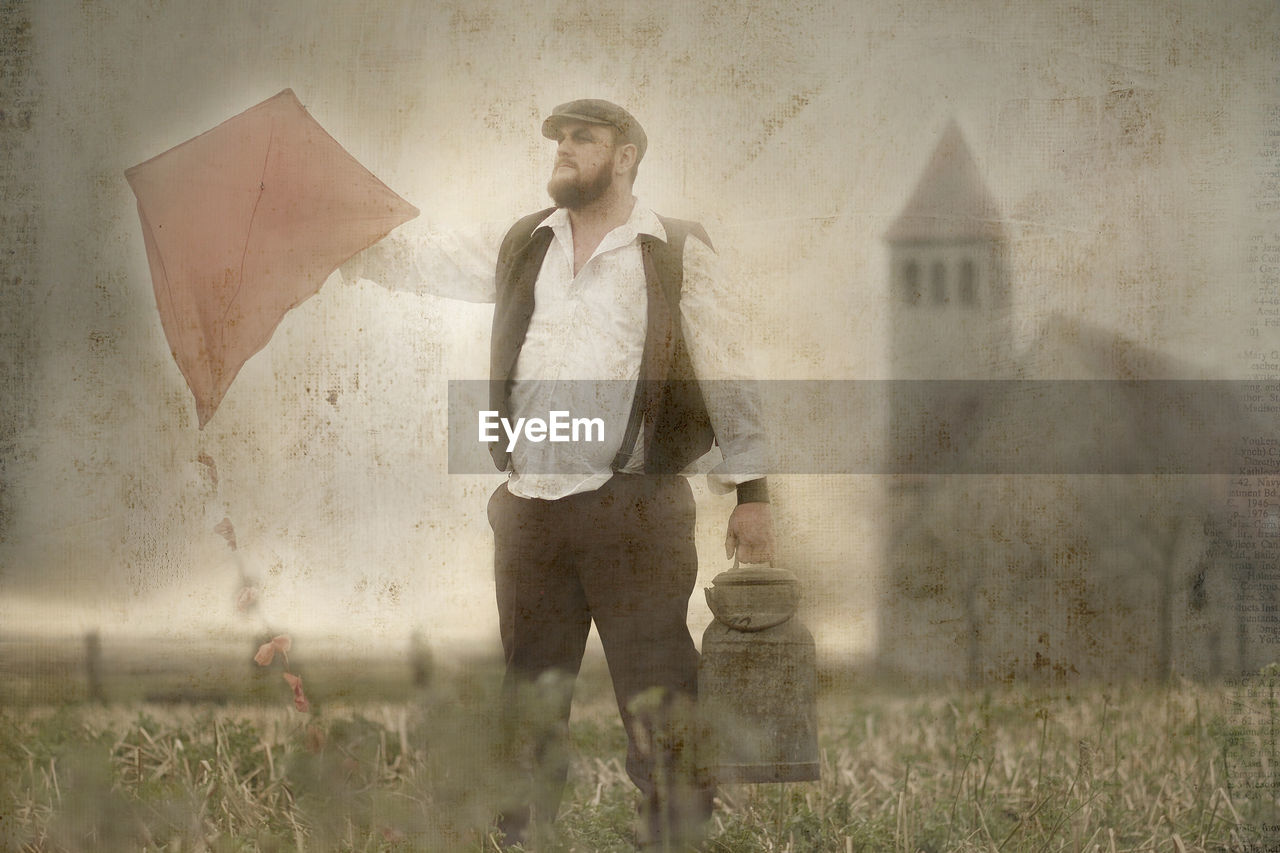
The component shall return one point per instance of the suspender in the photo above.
(653, 365)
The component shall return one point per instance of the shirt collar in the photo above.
(642, 221)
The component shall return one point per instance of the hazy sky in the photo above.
(1122, 141)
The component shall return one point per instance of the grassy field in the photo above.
(1082, 768)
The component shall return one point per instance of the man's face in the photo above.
(584, 164)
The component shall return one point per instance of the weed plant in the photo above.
(1088, 768)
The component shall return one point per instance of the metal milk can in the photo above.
(757, 681)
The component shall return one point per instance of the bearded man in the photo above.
(602, 295)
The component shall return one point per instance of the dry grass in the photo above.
(1184, 767)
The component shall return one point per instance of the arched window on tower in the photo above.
(911, 283)
(968, 283)
(938, 283)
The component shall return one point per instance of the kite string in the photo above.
(247, 597)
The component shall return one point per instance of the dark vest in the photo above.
(677, 428)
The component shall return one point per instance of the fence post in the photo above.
(420, 660)
(93, 666)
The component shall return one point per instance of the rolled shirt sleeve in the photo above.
(718, 339)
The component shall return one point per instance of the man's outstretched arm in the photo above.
(421, 258)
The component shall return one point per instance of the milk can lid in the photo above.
(754, 575)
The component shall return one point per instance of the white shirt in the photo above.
(591, 326)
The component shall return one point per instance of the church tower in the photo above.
(950, 319)
(949, 286)
(950, 311)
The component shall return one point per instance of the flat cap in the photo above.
(596, 111)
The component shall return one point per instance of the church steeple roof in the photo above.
(951, 201)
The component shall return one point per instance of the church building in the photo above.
(1003, 575)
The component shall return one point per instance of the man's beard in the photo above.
(577, 192)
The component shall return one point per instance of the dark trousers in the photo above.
(622, 556)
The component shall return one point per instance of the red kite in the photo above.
(244, 222)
